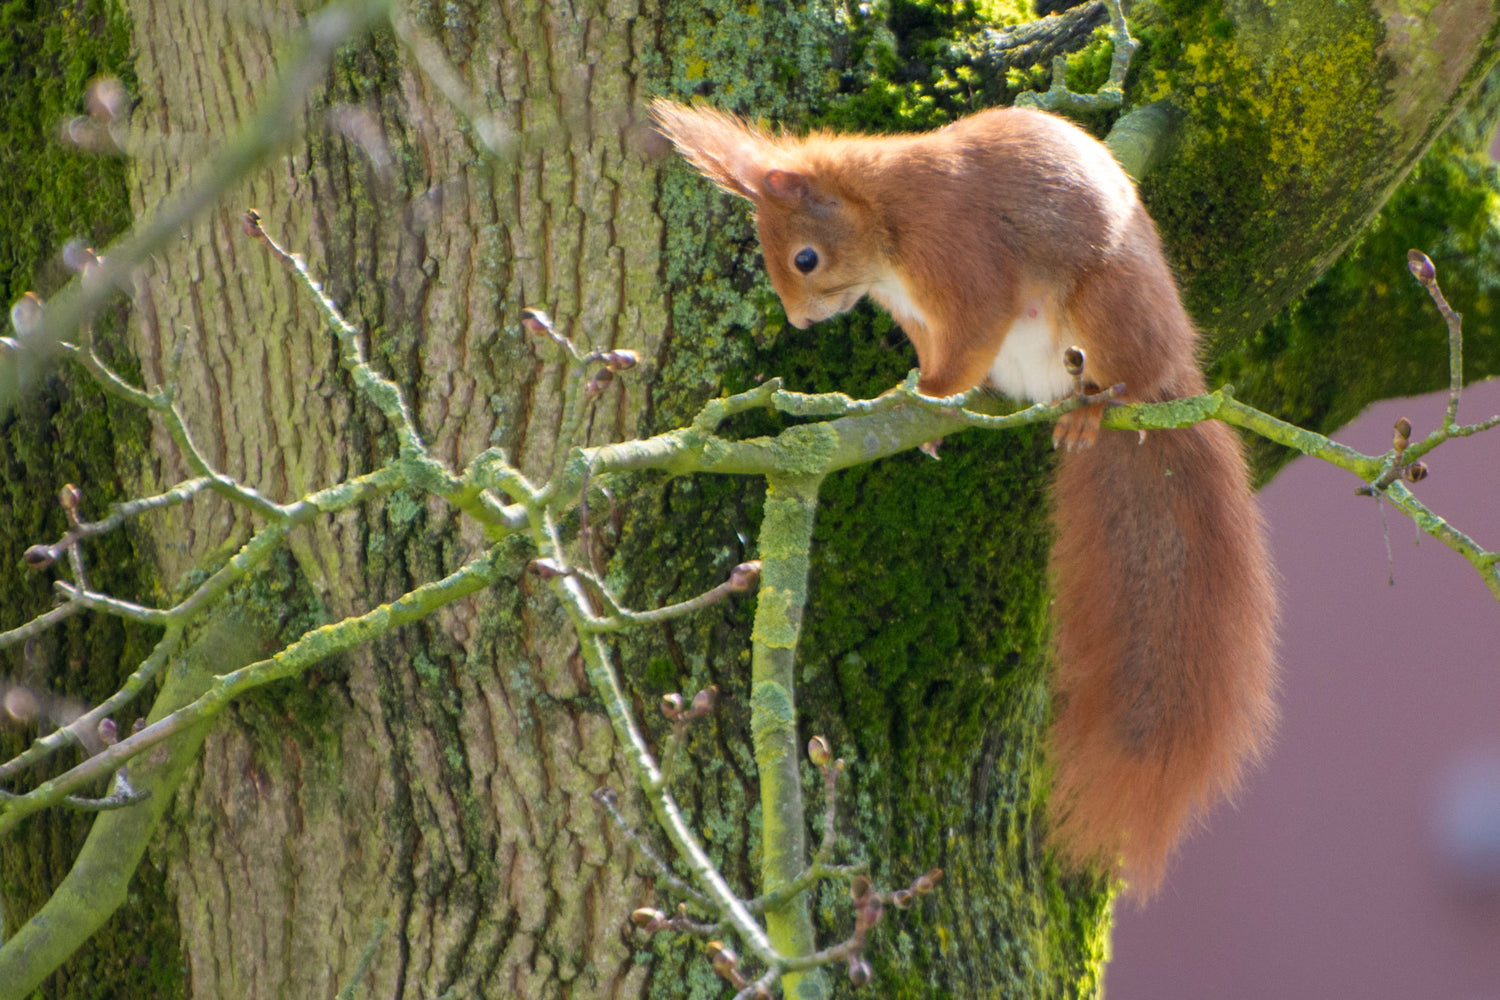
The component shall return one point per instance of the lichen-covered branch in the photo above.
(785, 550)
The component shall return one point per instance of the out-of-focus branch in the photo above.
(252, 148)
(1110, 95)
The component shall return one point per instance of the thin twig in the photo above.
(1422, 269)
(249, 150)
(313, 647)
(607, 800)
(378, 389)
(70, 734)
(161, 402)
(39, 624)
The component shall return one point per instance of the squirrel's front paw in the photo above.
(1077, 429)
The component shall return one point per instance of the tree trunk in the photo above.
(427, 799)
(430, 794)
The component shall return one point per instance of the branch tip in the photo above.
(819, 752)
(250, 222)
(26, 314)
(1421, 266)
(69, 497)
(745, 576)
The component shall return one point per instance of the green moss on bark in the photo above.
(1320, 362)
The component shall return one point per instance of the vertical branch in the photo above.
(1421, 268)
(785, 542)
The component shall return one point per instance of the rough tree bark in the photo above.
(432, 793)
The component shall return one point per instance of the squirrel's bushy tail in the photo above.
(1165, 673)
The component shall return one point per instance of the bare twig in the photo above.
(72, 734)
(609, 802)
(742, 579)
(1421, 268)
(121, 512)
(492, 134)
(378, 389)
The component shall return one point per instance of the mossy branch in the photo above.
(785, 550)
(1110, 95)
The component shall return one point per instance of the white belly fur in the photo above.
(891, 292)
(1030, 362)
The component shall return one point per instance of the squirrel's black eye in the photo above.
(806, 260)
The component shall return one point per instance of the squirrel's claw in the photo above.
(1077, 429)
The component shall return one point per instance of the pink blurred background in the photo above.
(1364, 859)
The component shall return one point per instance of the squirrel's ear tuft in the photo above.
(727, 151)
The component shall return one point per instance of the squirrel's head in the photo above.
(818, 249)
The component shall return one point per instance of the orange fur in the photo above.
(997, 242)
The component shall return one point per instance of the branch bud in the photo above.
(21, 705)
(536, 322)
(250, 222)
(619, 361)
(745, 576)
(26, 315)
(109, 733)
(1403, 429)
(703, 701)
(860, 972)
(70, 497)
(105, 100)
(1399, 441)
(1420, 266)
(600, 381)
(547, 569)
(38, 557)
(902, 898)
(1415, 472)
(927, 881)
(723, 959)
(648, 919)
(819, 752)
(78, 256)
(671, 705)
(859, 889)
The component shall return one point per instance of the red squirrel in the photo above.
(998, 242)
